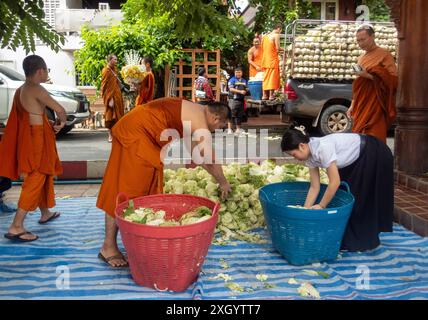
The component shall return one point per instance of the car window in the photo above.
(11, 74)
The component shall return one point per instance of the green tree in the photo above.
(160, 34)
(21, 22)
(151, 38)
(195, 20)
(271, 12)
(379, 11)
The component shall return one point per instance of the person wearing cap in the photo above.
(373, 106)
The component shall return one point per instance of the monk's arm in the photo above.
(278, 43)
(45, 98)
(251, 59)
(209, 162)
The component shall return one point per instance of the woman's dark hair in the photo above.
(201, 71)
(293, 137)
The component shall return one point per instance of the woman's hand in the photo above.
(317, 207)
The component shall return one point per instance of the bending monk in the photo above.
(112, 95)
(270, 63)
(147, 87)
(135, 166)
(373, 92)
(28, 148)
(255, 55)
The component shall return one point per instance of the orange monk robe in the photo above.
(147, 90)
(256, 56)
(110, 89)
(270, 64)
(30, 151)
(374, 100)
(135, 166)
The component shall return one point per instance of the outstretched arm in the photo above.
(333, 185)
(314, 189)
(208, 160)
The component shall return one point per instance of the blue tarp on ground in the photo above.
(398, 269)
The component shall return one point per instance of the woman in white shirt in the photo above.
(365, 163)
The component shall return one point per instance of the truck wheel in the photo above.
(66, 130)
(334, 120)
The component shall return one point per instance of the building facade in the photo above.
(66, 17)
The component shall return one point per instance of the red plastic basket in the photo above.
(166, 258)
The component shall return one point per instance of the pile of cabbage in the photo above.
(241, 211)
(330, 49)
(153, 217)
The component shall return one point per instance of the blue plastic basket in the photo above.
(305, 236)
(256, 89)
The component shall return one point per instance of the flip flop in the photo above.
(107, 260)
(54, 216)
(17, 237)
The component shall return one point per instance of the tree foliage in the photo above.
(379, 11)
(162, 34)
(151, 38)
(271, 12)
(22, 22)
(194, 21)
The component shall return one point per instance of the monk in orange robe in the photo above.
(270, 63)
(255, 55)
(147, 87)
(28, 148)
(112, 95)
(135, 166)
(373, 92)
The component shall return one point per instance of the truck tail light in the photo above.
(289, 91)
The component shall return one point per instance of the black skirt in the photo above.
(5, 184)
(371, 179)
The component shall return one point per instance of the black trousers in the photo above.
(237, 108)
(371, 179)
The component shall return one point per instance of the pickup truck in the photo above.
(74, 102)
(324, 104)
(318, 64)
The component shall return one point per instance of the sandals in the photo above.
(115, 257)
(54, 216)
(17, 237)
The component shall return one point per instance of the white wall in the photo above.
(60, 64)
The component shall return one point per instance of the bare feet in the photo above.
(113, 257)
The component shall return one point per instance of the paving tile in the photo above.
(412, 183)
(420, 226)
(418, 210)
(423, 187)
(397, 214)
(402, 179)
